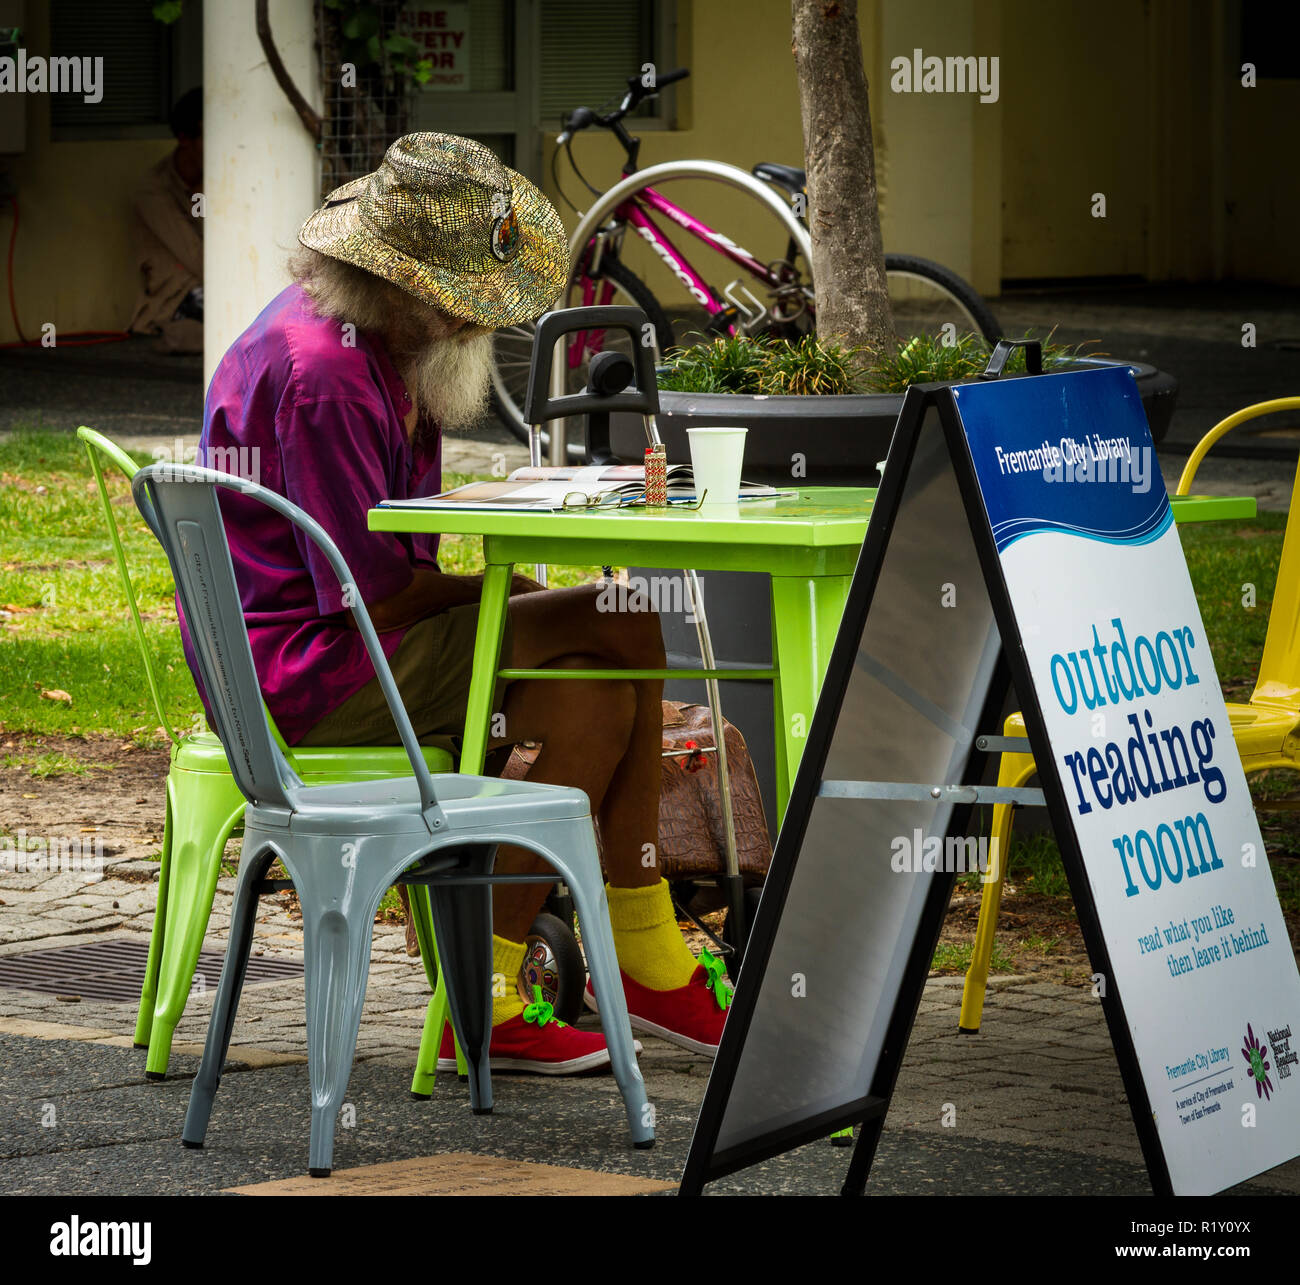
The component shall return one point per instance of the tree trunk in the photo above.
(848, 264)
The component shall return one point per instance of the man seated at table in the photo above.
(168, 233)
(338, 394)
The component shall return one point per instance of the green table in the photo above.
(807, 544)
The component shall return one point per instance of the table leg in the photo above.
(497, 577)
(487, 653)
(806, 616)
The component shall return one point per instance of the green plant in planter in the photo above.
(925, 359)
(765, 367)
(727, 365)
(811, 366)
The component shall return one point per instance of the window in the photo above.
(588, 52)
(147, 64)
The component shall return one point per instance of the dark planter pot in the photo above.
(840, 440)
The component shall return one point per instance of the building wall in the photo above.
(1263, 182)
(1058, 160)
(937, 154)
(1140, 102)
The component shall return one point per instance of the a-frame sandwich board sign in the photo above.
(1021, 530)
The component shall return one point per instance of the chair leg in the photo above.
(581, 871)
(462, 921)
(149, 988)
(1013, 770)
(205, 808)
(337, 967)
(426, 1061)
(417, 896)
(339, 899)
(243, 916)
(438, 1014)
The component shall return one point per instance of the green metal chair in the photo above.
(205, 806)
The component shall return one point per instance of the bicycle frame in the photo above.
(635, 213)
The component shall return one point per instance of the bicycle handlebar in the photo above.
(637, 92)
(636, 83)
(578, 119)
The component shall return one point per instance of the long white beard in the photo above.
(451, 379)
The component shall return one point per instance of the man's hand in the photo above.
(432, 591)
(429, 592)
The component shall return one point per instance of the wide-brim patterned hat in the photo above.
(443, 219)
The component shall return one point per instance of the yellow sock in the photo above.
(649, 943)
(507, 960)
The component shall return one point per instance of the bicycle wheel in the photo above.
(553, 961)
(510, 380)
(513, 352)
(925, 296)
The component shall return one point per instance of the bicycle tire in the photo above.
(507, 401)
(553, 961)
(963, 294)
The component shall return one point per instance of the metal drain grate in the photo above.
(114, 970)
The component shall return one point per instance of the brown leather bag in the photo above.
(691, 834)
(691, 840)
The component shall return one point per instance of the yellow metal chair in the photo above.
(1266, 729)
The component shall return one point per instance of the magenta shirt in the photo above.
(294, 407)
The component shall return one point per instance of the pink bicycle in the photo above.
(764, 297)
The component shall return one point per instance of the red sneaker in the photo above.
(691, 1016)
(536, 1041)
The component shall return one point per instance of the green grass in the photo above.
(1222, 558)
(1286, 877)
(1040, 945)
(1034, 865)
(955, 957)
(52, 763)
(66, 626)
(68, 629)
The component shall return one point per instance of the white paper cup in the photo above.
(717, 455)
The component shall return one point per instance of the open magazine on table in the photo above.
(547, 488)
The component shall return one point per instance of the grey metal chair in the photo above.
(345, 845)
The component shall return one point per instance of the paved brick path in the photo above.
(1041, 1076)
